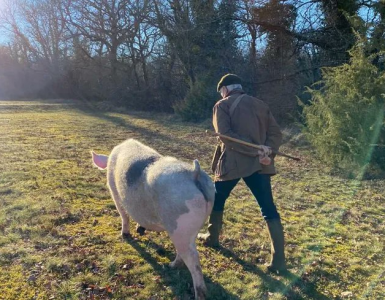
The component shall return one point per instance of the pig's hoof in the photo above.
(177, 263)
(161, 251)
(201, 292)
(126, 236)
(140, 230)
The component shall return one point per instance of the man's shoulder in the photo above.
(226, 102)
(229, 99)
(222, 102)
(257, 100)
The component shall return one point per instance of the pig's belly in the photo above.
(144, 214)
(153, 227)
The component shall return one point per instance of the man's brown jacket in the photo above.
(252, 122)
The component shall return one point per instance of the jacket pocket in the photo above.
(226, 163)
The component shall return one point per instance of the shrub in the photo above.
(199, 101)
(345, 118)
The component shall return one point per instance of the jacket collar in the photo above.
(235, 92)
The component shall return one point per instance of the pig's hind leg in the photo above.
(184, 237)
(188, 254)
(140, 229)
(178, 261)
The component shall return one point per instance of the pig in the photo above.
(161, 193)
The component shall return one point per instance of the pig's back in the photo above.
(175, 190)
(129, 161)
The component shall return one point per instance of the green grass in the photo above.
(60, 232)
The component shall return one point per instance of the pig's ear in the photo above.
(99, 160)
(197, 169)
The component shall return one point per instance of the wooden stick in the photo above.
(250, 144)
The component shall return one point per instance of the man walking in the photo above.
(243, 117)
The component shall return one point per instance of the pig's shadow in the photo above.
(179, 280)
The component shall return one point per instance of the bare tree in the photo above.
(173, 19)
(107, 23)
(40, 28)
(40, 38)
(140, 49)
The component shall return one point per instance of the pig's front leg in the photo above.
(124, 216)
(125, 221)
(119, 206)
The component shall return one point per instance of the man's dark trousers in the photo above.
(260, 186)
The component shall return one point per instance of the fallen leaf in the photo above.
(346, 294)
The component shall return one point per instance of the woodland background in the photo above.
(75, 75)
(319, 63)
(169, 55)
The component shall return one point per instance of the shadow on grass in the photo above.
(89, 110)
(147, 134)
(179, 280)
(276, 286)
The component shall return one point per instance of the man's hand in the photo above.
(264, 153)
(266, 150)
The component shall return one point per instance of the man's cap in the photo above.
(228, 79)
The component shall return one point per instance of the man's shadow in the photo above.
(275, 285)
(178, 279)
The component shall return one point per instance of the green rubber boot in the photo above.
(277, 263)
(211, 238)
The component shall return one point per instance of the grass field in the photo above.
(60, 231)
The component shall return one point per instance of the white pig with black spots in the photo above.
(161, 193)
